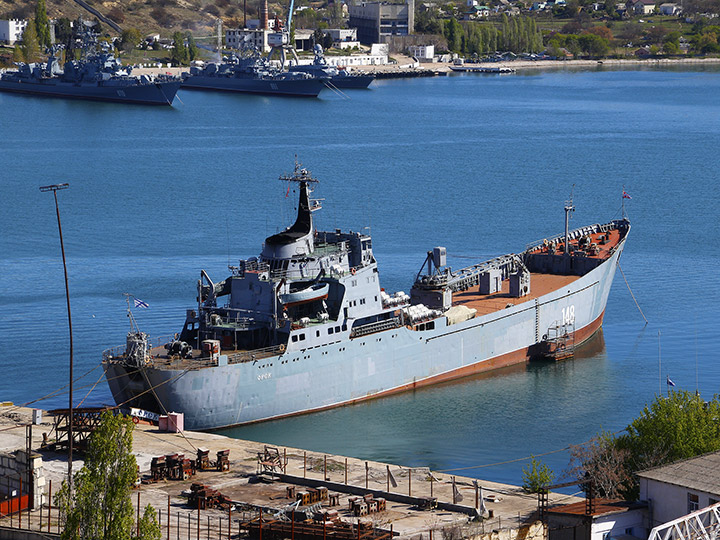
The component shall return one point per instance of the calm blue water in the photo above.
(481, 165)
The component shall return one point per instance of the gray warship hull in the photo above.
(356, 366)
(160, 93)
(250, 85)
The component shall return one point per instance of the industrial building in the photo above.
(375, 21)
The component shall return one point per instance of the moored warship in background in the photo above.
(306, 325)
(98, 76)
(342, 78)
(249, 72)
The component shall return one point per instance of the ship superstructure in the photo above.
(307, 326)
(98, 76)
(342, 78)
(250, 73)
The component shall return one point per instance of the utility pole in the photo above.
(55, 188)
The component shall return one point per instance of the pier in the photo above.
(356, 499)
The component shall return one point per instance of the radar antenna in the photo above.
(300, 174)
(303, 177)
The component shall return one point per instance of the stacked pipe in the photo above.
(420, 312)
(397, 299)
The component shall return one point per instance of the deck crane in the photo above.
(280, 40)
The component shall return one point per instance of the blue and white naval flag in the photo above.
(139, 303)
(669, 381)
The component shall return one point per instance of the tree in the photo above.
(656, 34)
(41, 24)
(30, 46)
(179, 54)
(602, 31)
(100, 506)
(679, 426)
(191, 47)
(149, 526)
(676, 427)
(536, 476)
(18, 55)
(593, 45)
(601, 462)
(131, 38)
(64, 32)
(453, 33)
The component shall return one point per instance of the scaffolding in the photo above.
(85, 421)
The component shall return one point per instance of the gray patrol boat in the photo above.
(306, 326)
(251, 73)
(98, 76)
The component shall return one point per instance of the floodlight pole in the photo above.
(54, 188)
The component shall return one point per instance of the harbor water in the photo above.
(479, 164)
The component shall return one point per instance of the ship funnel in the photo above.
(299, 238)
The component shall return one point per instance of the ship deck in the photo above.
(540, 284)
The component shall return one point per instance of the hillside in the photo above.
(148, 16)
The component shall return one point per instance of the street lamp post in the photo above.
(55, 188)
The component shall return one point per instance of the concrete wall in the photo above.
(14, 466)
(6, 533)
(668, 502)
(533, 531)
(631, 522)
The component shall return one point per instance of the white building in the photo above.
(376, 21)
(12, 30)
(424, 53)
(343, 38)
(245, 37)
(680, 488)
(606, 519)
(670, 9)
(358, 60)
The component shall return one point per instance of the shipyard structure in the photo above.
(307, 325)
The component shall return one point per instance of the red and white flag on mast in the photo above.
(626, 195)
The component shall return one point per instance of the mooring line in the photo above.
(631, 293)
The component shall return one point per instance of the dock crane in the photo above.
(280, 40)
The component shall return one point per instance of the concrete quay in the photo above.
(510, 513)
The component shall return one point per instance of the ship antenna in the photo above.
(569, 207)
(133, 323)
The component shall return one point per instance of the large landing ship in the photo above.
(307, 326)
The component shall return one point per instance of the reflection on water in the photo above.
(480, 165)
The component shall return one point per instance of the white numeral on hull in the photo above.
(568, 315)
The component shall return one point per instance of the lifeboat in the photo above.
(317, 291)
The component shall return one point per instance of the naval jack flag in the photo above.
(140, 304)
(669, 382)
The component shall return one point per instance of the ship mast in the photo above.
(569, 207)
(133, 324)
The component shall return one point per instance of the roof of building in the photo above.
(601, 507)
(701, 473)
